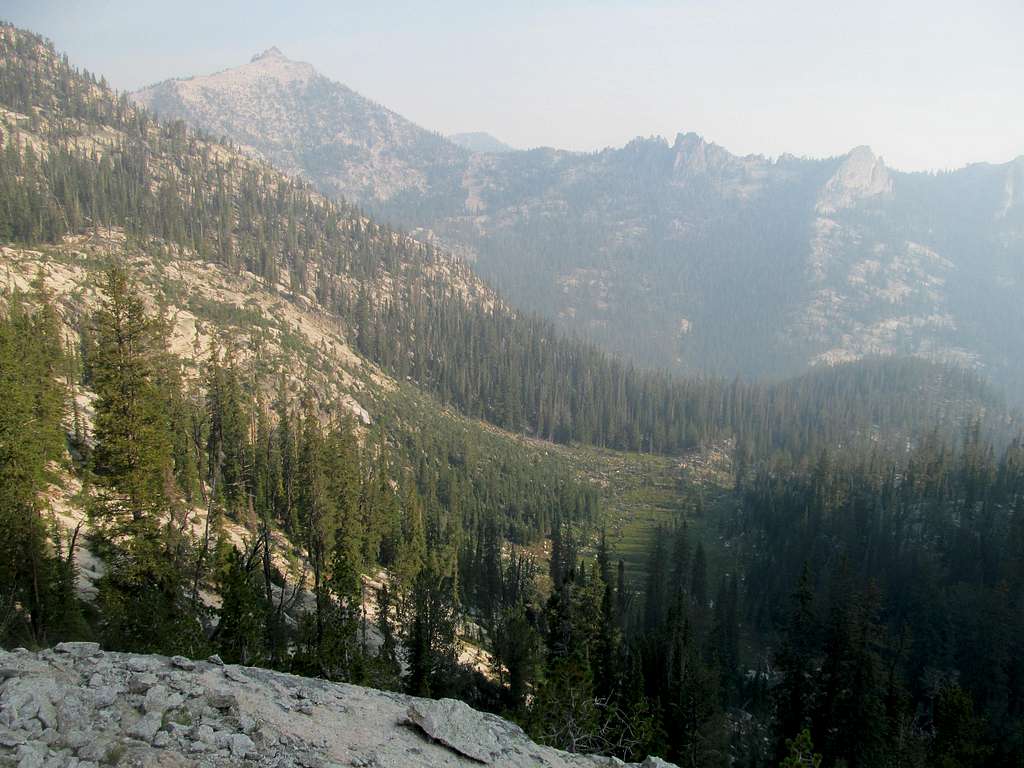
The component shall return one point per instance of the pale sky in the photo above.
(929, 84)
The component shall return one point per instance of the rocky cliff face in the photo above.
(78, 707)
(860, 176)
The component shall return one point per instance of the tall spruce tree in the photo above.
(37, 601)
(137, 507)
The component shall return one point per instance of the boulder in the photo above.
(79, 650)
(461, 728)
(145, 727)
(140, 683)
(159, 699)
(241, 746)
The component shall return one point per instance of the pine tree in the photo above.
(796, 662)
(430, 637)
(801, 752)
(137, 504)
(241, 630)
(849, 717)
(694, 722)
(36, 598)
(342, 655)
(132, 459)
(516, 655)
(385, 669)
(315, 512)
(606, 652)
(724, 640)
(959, 733)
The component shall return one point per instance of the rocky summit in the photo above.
(75, 706)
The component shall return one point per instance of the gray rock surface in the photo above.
(456, 725)
(78, 706)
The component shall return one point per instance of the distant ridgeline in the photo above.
(236, 506)
(673, 254)
(95, 160)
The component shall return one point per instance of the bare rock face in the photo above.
(1013, 189)
(458, 726)
(860, 176)
(76, 706)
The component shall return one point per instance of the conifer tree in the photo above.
(137, 503)
(430, 637)
(801, 752)
(385, 669)
(314, 512)
(37, 593)
(241, 630)
(959, 741)
(796, 662)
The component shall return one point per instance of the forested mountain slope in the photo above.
(873, 606)
(78, 158)
(675, 254)
(303, 440)
(200, 425)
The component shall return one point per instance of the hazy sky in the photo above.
(927, 83)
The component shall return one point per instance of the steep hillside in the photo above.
(248, 299)
(681, 254)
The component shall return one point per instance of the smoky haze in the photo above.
(929, 85)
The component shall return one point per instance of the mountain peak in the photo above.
(861, 174)
(272, 53)
(269, 65)
(695, 155)
(689, 140)
(862, 154)
(480, 141)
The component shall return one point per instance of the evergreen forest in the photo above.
(850, 594)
